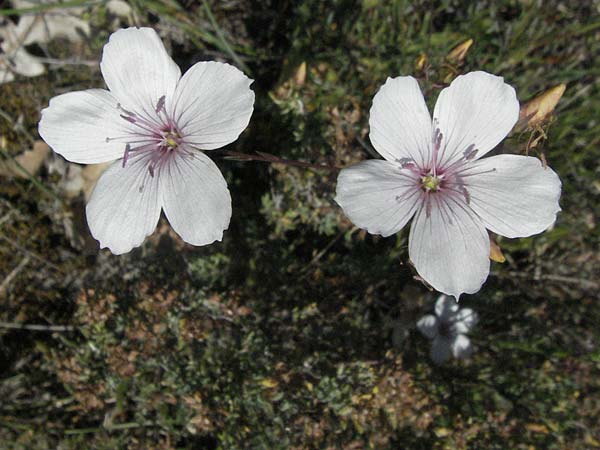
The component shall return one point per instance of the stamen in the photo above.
(408, 164)
(128, 113)
(405, 161)
(458, 165)
(154, 133)
(437, 143)
(144, 123)
(130, 119)
(126, 154)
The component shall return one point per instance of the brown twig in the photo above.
(30, 253)
(272, 159)
(586, 284)
(33, 327)
(13, 273)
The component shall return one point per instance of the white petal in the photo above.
(461, 347)
(464, 321)
(515, 196)
(212, 104)
(450, 248)
(196, 200)
(428, 325)
(77, 125)
(125, 205)
(138, 70)
(400, 122)
(378, 196)
(446, 307)
(476, 109)
(440, 350)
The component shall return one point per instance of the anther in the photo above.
(470, 152)
(466, 195)
(129, 113)
(161, 104)
(406, 163)
(437, 137)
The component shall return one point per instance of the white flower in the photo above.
(432, 172)
(157, 122)
(35, 28)
(447, 329)
(14, 59)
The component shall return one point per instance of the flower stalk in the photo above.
(272, 159)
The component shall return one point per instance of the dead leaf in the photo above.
(537, 111)
(457, 54)
(421, 61)
(30, 160)
(300, 76)
(537, 428)
(496, 252)
(268, 383)
(441, 432)
(90, 175)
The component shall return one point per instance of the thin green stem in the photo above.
(45, 7)
(223, 40)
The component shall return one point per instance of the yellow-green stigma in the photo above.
(430, 183)
(171, 140)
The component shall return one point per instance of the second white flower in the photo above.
(432, 174)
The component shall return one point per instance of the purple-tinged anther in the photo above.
(470, 152)
(161, 104)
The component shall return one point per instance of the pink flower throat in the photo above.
(154, 132)
(440, 179)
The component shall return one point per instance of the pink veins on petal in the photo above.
(156, 133)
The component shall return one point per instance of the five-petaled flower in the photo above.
(432, 172)
(447, 329)
(156, 124)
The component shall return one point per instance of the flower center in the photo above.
(431, 183)
(171, 140)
